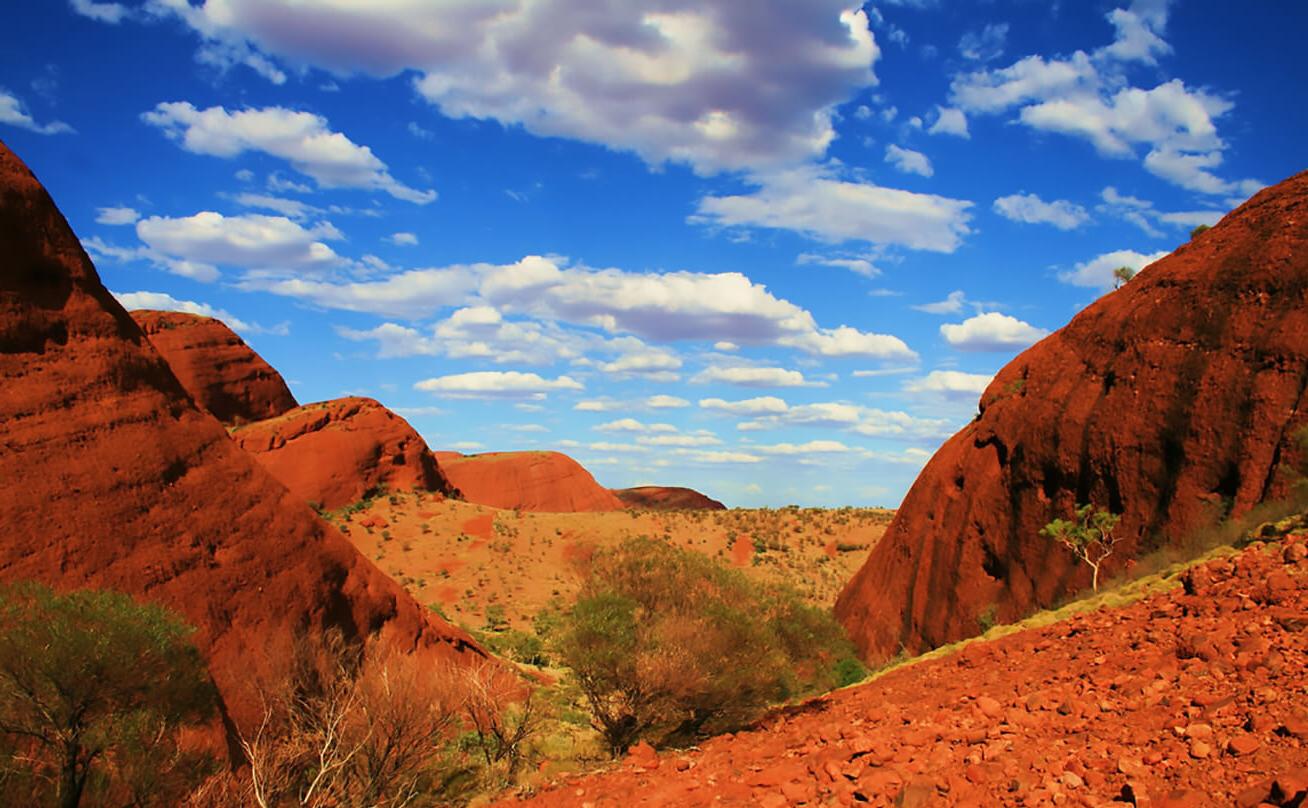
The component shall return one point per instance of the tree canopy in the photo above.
(92, 682)
(666, 644)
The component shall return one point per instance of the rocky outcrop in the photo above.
(667, 498)
(530, 481)
(113, 478)
(223, 374)
(1173, 401)
(1177, 700)
(336, 452)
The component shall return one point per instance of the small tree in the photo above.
(1199, 230)
(1089, 536)
(91, 680)
(1122, 275)
(666, 644)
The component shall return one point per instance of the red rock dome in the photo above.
(334, 452)
(1173, 401)
(113, 478)
(530, 481)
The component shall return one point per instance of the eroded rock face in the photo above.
(667, 498)
(223, 374)
(548, 482)
(111, 477)
(1172, 401)
(335, 452)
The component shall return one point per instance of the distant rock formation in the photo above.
(667, 498)
(335, 452)
(530, 481)
(113, 478)
(223, 374)
(1173, 401)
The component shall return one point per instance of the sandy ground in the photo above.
(465, 558)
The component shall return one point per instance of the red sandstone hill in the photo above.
(1186, 699)
(334, 452)
(548, 482)
(113, 478)
(1172, 401)
(223, 374)
(667, 498)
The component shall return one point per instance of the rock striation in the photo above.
(1174, 401)
(223, 374)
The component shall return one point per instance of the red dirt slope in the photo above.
(546, 482)
(1176, 700)
(333, 452)
(223, 374)
(667, 498)
(1171, 401)
(113, 478)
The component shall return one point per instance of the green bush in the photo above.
(93, 687)
(849, 671)
(666, 644)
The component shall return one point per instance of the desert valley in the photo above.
(222, 586)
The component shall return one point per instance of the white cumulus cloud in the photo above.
(949, 121)
(751, 377)
(705, 84)
(909, 161)
(1031, 209)
(496, 384)
(303, 139)
(951, 384)
(992, 331)
(820, 206)
(14, 113)
(750, 406)
(250, 241)
(1097, 273)
(116, 216)
(666, 402)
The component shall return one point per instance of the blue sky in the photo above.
(772, 253)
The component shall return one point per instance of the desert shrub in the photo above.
(502, 718)
(496, 617)
(93, 688)
(667, 644)
(1199, 230)
(347, 725)
(519, 646)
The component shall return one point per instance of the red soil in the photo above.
(1178, 699)
(114, 478)
(1171, 401)
(742, 551)
(334, 452)
(223, 375)
(546, 482)
(667, 498)
(479, 527)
